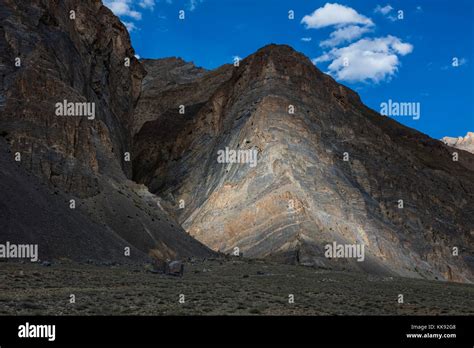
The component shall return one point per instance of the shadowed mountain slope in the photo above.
(75, 51)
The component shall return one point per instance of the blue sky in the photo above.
(421, 55)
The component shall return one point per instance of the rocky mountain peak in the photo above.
(328, 169)
(464, 143)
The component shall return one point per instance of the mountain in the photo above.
(100, 152)
(464, 143)
(63, 52)
(329, 169)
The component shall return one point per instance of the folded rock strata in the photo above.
(399, 193)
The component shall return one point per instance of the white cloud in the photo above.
(349, 24)
(386, 11)
(400, 47)
(135, 15)
(334, 14)
(306, 39)
(193, 4)
(367, 59)
(130, 26)
(345, 34)
(383, 10)
(128, 10)
(123, 8)
(147, 4)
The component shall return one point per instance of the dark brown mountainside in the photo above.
(75, 51)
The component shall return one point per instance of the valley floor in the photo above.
(221, 287)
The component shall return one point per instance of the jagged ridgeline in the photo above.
(270, 158)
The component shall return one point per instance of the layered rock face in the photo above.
(75, 51)
(328, 169)
(465, 143)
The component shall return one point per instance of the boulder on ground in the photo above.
(175, 268)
